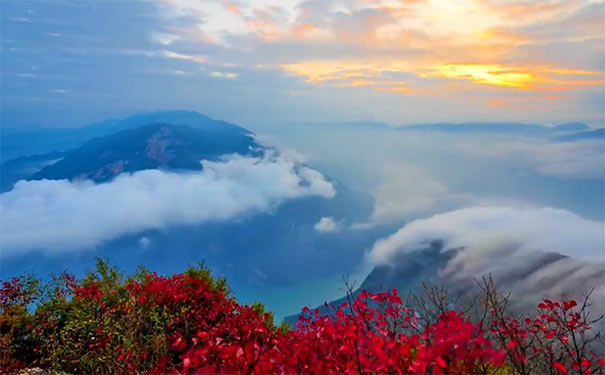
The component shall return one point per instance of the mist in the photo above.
(62, 215)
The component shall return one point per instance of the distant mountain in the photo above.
(351, 124)
(413, 268)
(478, 127)
(148, 147)
(167, 139)
(24, 167)
(511, 128)
(25, 142)
(16, 142)
(572, 127)
(592, 134)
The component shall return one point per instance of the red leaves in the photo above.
(560, 367)
(569, 304)
(548, 338)
(356, 338)
(204, 331)
(441, 362)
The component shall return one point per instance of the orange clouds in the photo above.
(492, 74)
(303, 29)
(381, 75)
(536, 79)
(494, 48)
(232, 8)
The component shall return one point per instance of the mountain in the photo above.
(409, 270)
(479, 127)
(257, 251)
(152, 146)
(510, 128)
(24, 167)
(572, 127)
(167, 139)
(340, 124)
(35, 141)
(592, 134)
(407, 275)
(22, 142)
(498, 128)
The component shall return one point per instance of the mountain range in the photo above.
(573, 130)
(30, 141)
(152, 146)
(279, 247)
(413, 271)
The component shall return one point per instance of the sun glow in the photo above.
(493, 74)
(492, 50)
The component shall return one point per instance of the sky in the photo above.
(68, 63)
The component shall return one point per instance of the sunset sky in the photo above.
(269, 61)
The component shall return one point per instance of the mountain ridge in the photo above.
(152, 146)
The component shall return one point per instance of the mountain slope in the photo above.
(275, 247)
(24, 167)
(21, 142)
(572, 127)
(591, 134)
(148, 147)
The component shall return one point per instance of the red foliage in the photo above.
(208, 332)
(373, 334)
(558, 336)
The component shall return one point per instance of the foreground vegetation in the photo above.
(189, 324)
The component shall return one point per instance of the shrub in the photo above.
(189, 324)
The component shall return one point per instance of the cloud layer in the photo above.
(498, 55)
(416, 174)
(518, 247)
(544, 229)
(389, 60)
(63, 215)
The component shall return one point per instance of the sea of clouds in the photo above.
(534, 253)
(61, 215)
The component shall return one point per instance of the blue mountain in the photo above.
(152, 146)
(572, 127)
(591, 134)
(22, 142)
(511, 128)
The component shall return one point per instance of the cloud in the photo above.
(200, 59)
(478, 37)
(224, 75)
(518, 247)
(382, 60)
(62, 215)
(407, 191)
(544, 229)
(327, 224)
(415, 175)
(565, 159)
(165, 39)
